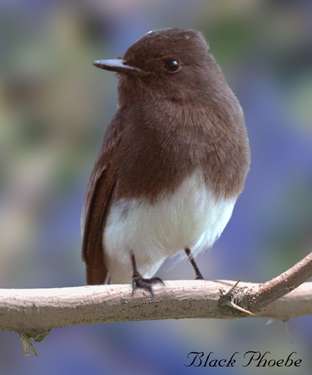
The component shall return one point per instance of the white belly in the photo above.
(190, 217)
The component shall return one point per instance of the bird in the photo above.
(172, 165)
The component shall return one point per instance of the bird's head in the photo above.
(171, 63)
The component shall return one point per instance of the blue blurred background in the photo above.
(54, 107)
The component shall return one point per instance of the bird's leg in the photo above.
(198, 274)
(138, 282)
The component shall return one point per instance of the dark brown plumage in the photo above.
(168, 124)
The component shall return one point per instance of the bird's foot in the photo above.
(199, 277)
(138, 282)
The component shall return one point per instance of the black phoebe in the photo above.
(173, 162)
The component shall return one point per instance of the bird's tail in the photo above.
(97, 274)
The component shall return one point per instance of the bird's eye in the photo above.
(172, 65)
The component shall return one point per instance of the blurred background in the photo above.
(54, 107)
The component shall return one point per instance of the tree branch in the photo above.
(282, 284)
(33, 311)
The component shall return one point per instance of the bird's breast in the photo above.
(191, 217)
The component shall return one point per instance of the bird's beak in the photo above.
(116, 65)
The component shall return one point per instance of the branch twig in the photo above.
(282, 284)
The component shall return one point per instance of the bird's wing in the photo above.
(99, 195)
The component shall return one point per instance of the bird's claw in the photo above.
(138, 282)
